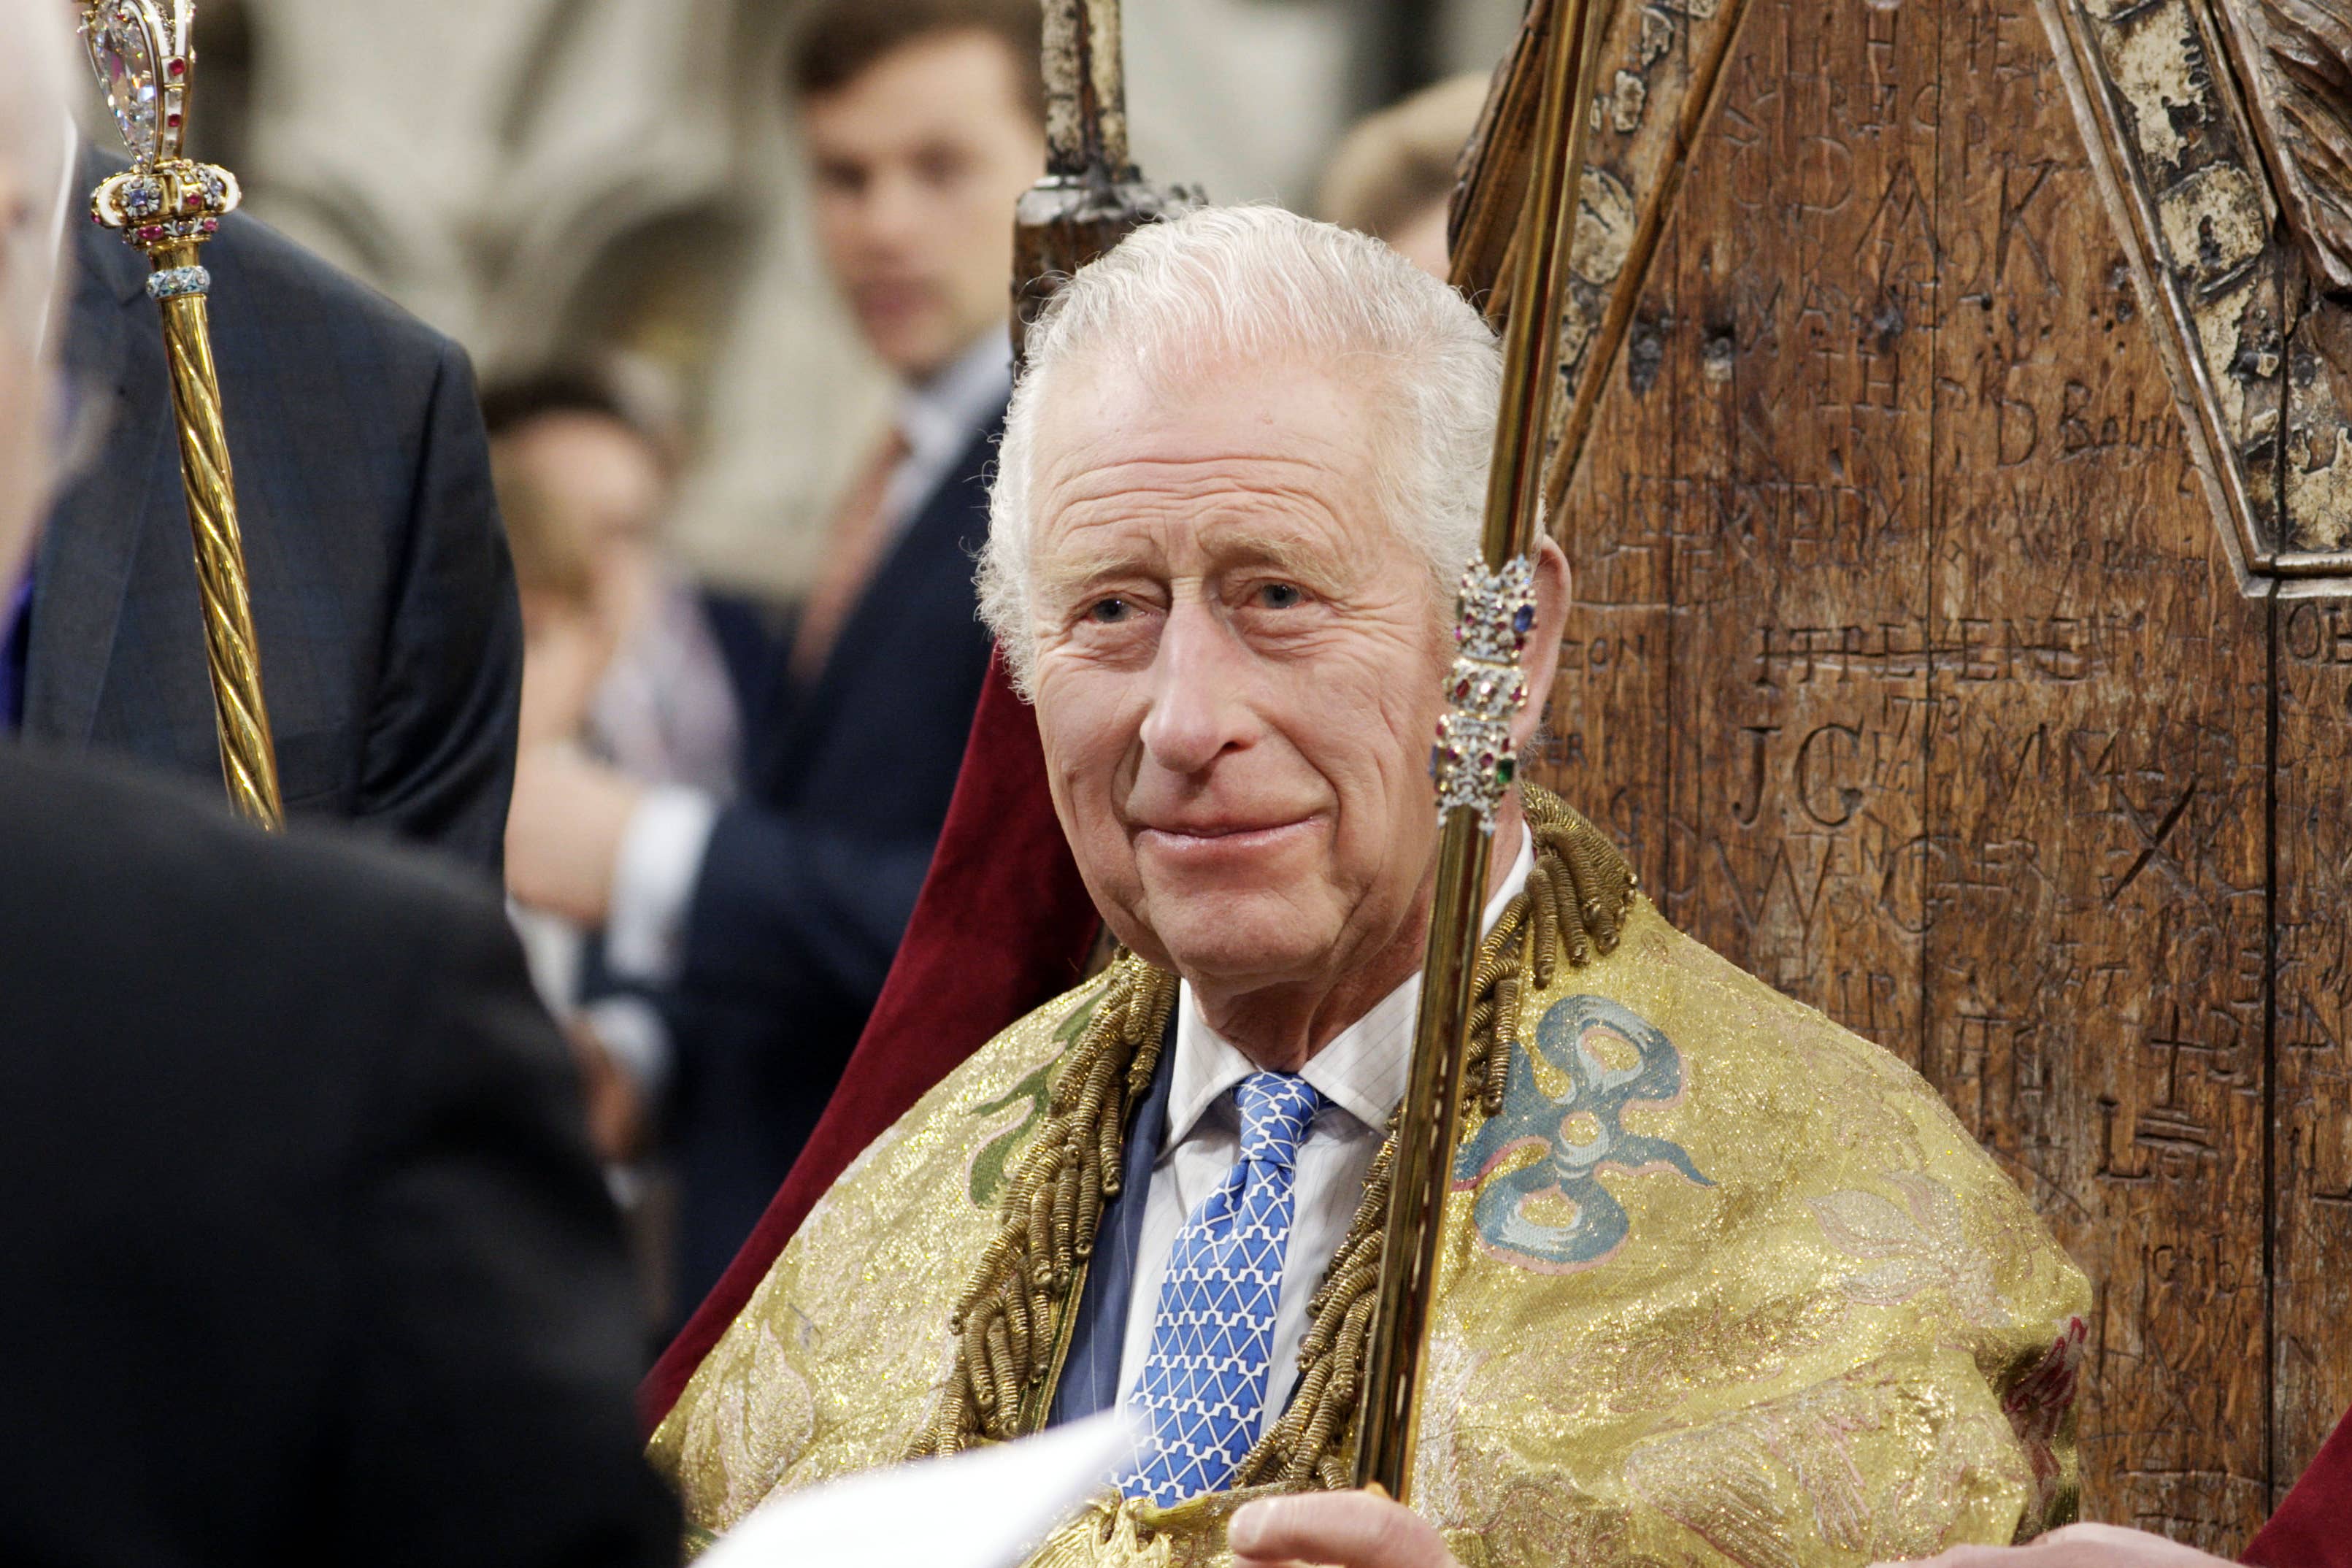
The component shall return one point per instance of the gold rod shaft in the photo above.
(1390, 1423)
(1389, 1430)
(248, 754)
(1514, 482)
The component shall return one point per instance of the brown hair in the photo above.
(841, 39)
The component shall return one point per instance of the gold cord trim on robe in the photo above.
(1722, 1284)
(1013, 1322)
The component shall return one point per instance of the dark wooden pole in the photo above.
(1092, 196)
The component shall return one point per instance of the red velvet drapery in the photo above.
(1003, 924)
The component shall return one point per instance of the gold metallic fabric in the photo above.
(1719, 1282)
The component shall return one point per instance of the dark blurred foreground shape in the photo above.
(307, 1258)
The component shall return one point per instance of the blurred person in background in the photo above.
(570, 639)
(307, 1256)
(769, 923)
(382, 600)
(1393, 177)
(623, 668)
(590, 449)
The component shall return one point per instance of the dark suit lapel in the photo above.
(1089, 1381)
(954, 514)
(91, 544)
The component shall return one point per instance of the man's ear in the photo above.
(1543, 643)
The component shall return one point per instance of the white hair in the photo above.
(1252, 284)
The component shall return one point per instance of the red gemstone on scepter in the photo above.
(178, 68)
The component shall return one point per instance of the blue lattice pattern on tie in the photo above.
(1203, 1393)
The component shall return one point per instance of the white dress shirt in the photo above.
(661, 852)
(1360, 1076)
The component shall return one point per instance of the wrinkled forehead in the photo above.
(1201, 442)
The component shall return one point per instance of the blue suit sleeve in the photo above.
(785, 915)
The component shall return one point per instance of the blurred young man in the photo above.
(307, 1258)
(771, 921)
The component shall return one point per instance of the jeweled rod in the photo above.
(1473, 763)
(166, 205)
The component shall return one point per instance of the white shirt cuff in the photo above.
(654, 881)
(635, 1036)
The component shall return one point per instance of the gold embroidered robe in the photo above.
(1723, 1282)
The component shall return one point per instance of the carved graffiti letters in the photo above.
(1913, 672)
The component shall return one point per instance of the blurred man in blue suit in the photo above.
(764, 927)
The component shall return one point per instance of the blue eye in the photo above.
(1108, 611)
(1281, 595)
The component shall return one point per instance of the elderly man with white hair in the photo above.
(307, 1258)
(1720, 1281)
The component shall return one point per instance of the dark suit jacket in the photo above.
(383, 598)
(809, 881)
(1089, 1381)
(307, 1259)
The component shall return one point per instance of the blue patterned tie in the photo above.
(1202, 1392)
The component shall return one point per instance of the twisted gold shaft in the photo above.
(248, 759)
(166, 205)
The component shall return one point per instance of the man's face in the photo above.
(917, 163)
(604, 486)
(1239, 666)
(606, 479)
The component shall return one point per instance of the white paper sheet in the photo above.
(986, 1509)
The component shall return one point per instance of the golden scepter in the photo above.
(167, 205)
(1473, 763)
